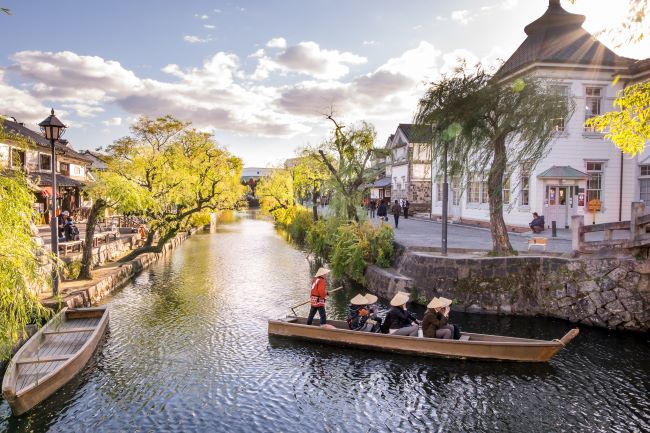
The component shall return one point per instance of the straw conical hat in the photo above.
(321, 272)
(371, 298)
(400, 298)
(359, 300)
(439, 303)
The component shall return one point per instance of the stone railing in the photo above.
(637, 236)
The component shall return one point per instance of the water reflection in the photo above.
(187, 350)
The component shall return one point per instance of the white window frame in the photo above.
(525, 174)
(560, 123)
(644, 177)
(601, 172)
(588, 107)
(40, 162)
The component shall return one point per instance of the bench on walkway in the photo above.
(537, 241)
(104, 237)
(70, 246)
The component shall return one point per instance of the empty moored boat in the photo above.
(53, 356)
(470, 346)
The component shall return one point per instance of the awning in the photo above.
(45, 179)
(382, 183)
(562, 172)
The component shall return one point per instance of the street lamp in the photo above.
(52, 128)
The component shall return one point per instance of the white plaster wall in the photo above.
(399, 175)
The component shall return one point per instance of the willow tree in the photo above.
(22, 259)
(180, 172)
(346, 156)
(309, 177)
(502, 124)
(277, 195)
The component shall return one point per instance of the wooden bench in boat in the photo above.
(68, 330)
(43, 359)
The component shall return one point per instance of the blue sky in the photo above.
(259, 74)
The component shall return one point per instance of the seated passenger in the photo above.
(359, 314)
(435, 323)
(537, 224)
(399, 318)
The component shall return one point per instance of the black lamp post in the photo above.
(52, 128)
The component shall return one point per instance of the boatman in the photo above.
(318, 296)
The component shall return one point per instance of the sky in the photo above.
(259, 75)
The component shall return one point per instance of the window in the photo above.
(484, 192)
(506, 188)
(595, 181)
(474, 192)
(524, 199)
(592, 104)
(17, 158)
(77, 170)
(559, 123)
(644, 184)
(45, 161)
(64, 168)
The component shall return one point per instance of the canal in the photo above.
(187, 350)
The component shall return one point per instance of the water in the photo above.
(188, 350)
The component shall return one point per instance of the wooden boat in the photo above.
(471, 346)
(53, 356)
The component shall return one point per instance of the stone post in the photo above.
(638, 209)
(577, 237)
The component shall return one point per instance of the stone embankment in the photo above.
(111, 278)
(609, 292)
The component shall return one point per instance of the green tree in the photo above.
(346, 156)
(277, 195)
(502, 124)
(180, 172)
(309, 177)
(22, 259)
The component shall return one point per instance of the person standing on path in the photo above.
(373, 208)
(396, 209)
(318, 296)
(381, 211)
(406, 209)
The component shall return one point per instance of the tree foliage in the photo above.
(277, 195)
(346, 156)
(501, 125)
(173, 172)
(21, 258)
(628, 128)
(309, 178)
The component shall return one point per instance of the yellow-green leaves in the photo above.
(629, 127)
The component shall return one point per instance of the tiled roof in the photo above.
(382, 183)
(45, 179)
(558, 37)
(415, 133)
(17, 128)
(562, 172)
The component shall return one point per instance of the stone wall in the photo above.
(419, 196)
(605, 292)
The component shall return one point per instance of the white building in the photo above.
(580, 165)
(409, 166)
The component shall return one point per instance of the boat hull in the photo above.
(22, 401)
(479, 346)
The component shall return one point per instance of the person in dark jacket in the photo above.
(373, 208)
(70, 231)
(396, 209)
(399, 318)
(537, 224)
(406, 209)
(435, 323)
(381, 211)
(359, 314)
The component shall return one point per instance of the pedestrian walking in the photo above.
(397, 210)
(382, 211)
(406, 208)
(373, 208)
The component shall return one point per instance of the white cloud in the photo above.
(217, 11)
(204, 17)
(310, 59)
(508, 4)
(209, 26)
(113, 121)
(277, 43)
(20, 104)
(195, 39)
(368, 43)
(462, 16)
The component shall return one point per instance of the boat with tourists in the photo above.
(470, 345)
(53, 356)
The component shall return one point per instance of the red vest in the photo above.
(318, 292)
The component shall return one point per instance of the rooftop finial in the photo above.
(553, 3)
(52, 111)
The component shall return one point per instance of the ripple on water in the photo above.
(187, 350)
